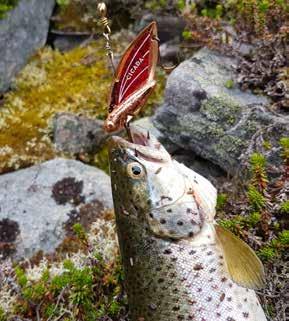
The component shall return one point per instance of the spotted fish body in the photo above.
(174, 266)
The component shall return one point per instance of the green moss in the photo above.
(238, 222)
(52, 82)
(63, 2)
(259, 177)
(267, 253)
(284, 237)
(253, 219)
(155, 5)
(2, 315)
(5, 6)
(21, 277)
(284, 207)
(222, 199)
(257, 161)
(284, 142)
(229, 84)
(256, 199)
(187, 34)
(78, 229)
(267, 145)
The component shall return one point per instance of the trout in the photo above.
(178, 263)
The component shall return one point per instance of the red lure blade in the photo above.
(134, 79)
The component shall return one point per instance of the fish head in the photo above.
(157, 192)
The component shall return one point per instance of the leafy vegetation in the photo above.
(284, 207)
(83, 287)
(5, 6)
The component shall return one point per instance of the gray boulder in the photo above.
(74, 134)
(22, 31)
(40, 204)
(204, 112)
(169, 26)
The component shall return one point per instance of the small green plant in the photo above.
(181, 4)
(267, 253)
(256, 199)
(62, 3)
(229, 84)
(284, 237)
(267, 145)
(213, 13)
(284, 142)
(258, 171)
(187, 35)
(80, 232)
(156, 5)
(284, 207)
(253, 219)
(6, 5)
(222, 199)
(2, 315)
(21, 277)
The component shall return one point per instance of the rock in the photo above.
(65, 41)
(205, 113)
(169, 26)
(74, 134)
(22, 32)
(40, 204)
(146, 123)
(170, 52)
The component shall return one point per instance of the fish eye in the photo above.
(135, 170)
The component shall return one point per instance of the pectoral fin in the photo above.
(243, 265)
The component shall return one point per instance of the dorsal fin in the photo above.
(243, 265)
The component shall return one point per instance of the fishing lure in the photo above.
(134, 79)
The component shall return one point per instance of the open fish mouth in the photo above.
(143, 145)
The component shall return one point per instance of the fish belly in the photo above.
(178, 281)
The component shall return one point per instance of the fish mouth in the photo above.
(142, 145)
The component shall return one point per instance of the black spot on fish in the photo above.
(176, 308)
(163, 221)
(198, 267)
(222, 297)
(180, 223)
